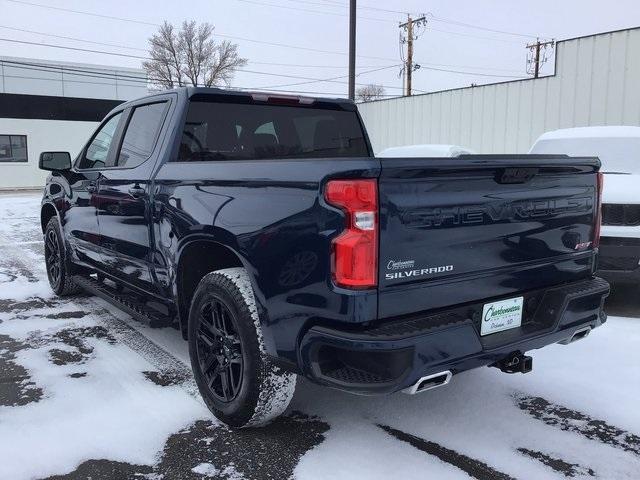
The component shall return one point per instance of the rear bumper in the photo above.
(619, 259)
(393, 355)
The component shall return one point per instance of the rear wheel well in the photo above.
(46, 213)
(198, 259)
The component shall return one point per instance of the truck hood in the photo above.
(620, 188)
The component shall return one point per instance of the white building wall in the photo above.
(597, 82)
(42, 135)
(66, 79)
(57, 79)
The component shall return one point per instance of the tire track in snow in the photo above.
(472, 467)
(270, 453)
(166, 363)
(557, 464)
(573, 421)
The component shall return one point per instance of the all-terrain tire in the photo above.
(58, 263)
(264, 390)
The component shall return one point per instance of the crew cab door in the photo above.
(80, 219)
(124, 209)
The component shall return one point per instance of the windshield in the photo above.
(234, 131)
(618, 155)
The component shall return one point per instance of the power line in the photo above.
(110, 17)
(81, 12)
(251, 40)
(73, 70)
(133, 81)
(334, 78)
(233, 37)
(312, 80)
(478, 27)
(133, 78)
(335, 14)
(75, 39)
(297, 65)
(140, 57)
(430, 15)
(472, 35)
(77, 49)
(470, 73)
(296, 47)
(359, 7)
(308, 66)
(93, 73)
(256, 2)
(119, 45)
(476, 67)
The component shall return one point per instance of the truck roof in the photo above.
(425, 150)
(189, 92)
(618, 147)
(618, 131)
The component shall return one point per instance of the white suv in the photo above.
(619, 151)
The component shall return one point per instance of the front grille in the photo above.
(617, 214)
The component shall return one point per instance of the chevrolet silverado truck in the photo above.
(265, 230)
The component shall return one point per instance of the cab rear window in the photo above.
(233, 131)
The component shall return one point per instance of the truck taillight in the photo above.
(355, 251)
(598, 220)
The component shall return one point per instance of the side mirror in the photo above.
(54, 161)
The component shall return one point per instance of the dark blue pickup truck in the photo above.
(264, 228)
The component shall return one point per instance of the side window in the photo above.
(140, 137)
(97, 152)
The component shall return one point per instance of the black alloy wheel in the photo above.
(60, 269)
(219, 350)
(53, 257)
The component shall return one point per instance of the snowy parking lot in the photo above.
(88, 392)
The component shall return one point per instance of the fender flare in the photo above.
(259, 297)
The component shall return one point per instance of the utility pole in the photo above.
(535, 62)
(409, 67)
(409, 54)
(352, 49)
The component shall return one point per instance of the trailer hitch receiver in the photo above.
(515, 362)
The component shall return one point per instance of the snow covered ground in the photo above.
(87, 392)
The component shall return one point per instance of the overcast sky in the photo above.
(313, 25)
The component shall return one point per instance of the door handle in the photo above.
(91, 187)
(136, 191)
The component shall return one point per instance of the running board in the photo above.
(127, 302)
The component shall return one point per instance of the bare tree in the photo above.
(191, 57)
(369, 93)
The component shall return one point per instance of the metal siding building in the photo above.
(54, 106)
(596, 82)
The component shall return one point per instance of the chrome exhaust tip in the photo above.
(577, 335)
(429, 382)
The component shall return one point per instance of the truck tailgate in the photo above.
(458, 230)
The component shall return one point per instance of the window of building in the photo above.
(13, 148)
(140, 137)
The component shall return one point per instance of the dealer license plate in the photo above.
(502, 315)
